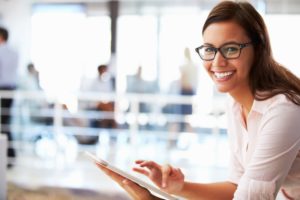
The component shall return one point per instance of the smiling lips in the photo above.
(223, 75)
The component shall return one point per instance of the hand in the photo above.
(166, 177)
(135, 191)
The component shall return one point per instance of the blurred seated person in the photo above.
(30, 82)
(102, 84)
(137, 85)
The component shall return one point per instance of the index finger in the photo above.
(149, 164)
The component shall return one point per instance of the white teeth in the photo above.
(223, 74)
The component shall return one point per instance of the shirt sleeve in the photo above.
(278, 143)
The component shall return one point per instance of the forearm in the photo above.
(221, 190)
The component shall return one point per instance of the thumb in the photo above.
(166, 170)
(135, 191)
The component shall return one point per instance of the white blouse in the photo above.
(265, 154)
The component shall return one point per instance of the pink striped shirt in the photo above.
(265, 155)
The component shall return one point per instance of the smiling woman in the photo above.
(229, 71)
(263, 112)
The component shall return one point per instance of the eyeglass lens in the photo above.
(228, 51)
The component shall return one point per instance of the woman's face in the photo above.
(229, 75)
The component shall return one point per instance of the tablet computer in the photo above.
(139, 181)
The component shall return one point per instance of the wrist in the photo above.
(179, 190)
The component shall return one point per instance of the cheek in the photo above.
(243, 72)
(207, 65)
(247, 67)
(248, 62)
(242, 66)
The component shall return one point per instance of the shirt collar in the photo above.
(258, 106)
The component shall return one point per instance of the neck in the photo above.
(245, 99)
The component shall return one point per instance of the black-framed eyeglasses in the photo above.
(228, 51)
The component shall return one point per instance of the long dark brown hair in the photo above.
(267, 78)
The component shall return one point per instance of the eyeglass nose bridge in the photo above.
(216, 50)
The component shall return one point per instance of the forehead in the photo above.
(221, 32)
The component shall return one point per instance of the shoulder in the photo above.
(279, 103)
(282, 102)
(280, 115)
(7, 50)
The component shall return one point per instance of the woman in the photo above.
(264, 113)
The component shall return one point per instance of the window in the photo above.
(284, 36)
(137, 46)
(67, 43)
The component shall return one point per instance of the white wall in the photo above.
(15, 16)
(284, 35)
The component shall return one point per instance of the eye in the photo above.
(209, 50)
(230, 49)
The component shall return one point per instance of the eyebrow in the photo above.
(208, 44)
(229, 42)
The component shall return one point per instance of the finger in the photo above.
(135, 191)
(141, 171)
(139, 161)
(166, 171)
(150, 164)
(176, 171)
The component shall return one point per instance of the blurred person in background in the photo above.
(8, 82)
(188, 78)
(137, 85)
(31, 80)
(263, 115)
(188, 86)
(102, 84)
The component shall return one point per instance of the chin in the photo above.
(222, 89)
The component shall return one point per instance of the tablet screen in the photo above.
(137, 180)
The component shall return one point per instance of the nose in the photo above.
(219, 60)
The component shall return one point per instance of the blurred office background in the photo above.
(142, 113)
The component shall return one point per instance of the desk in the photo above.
(17, 192)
